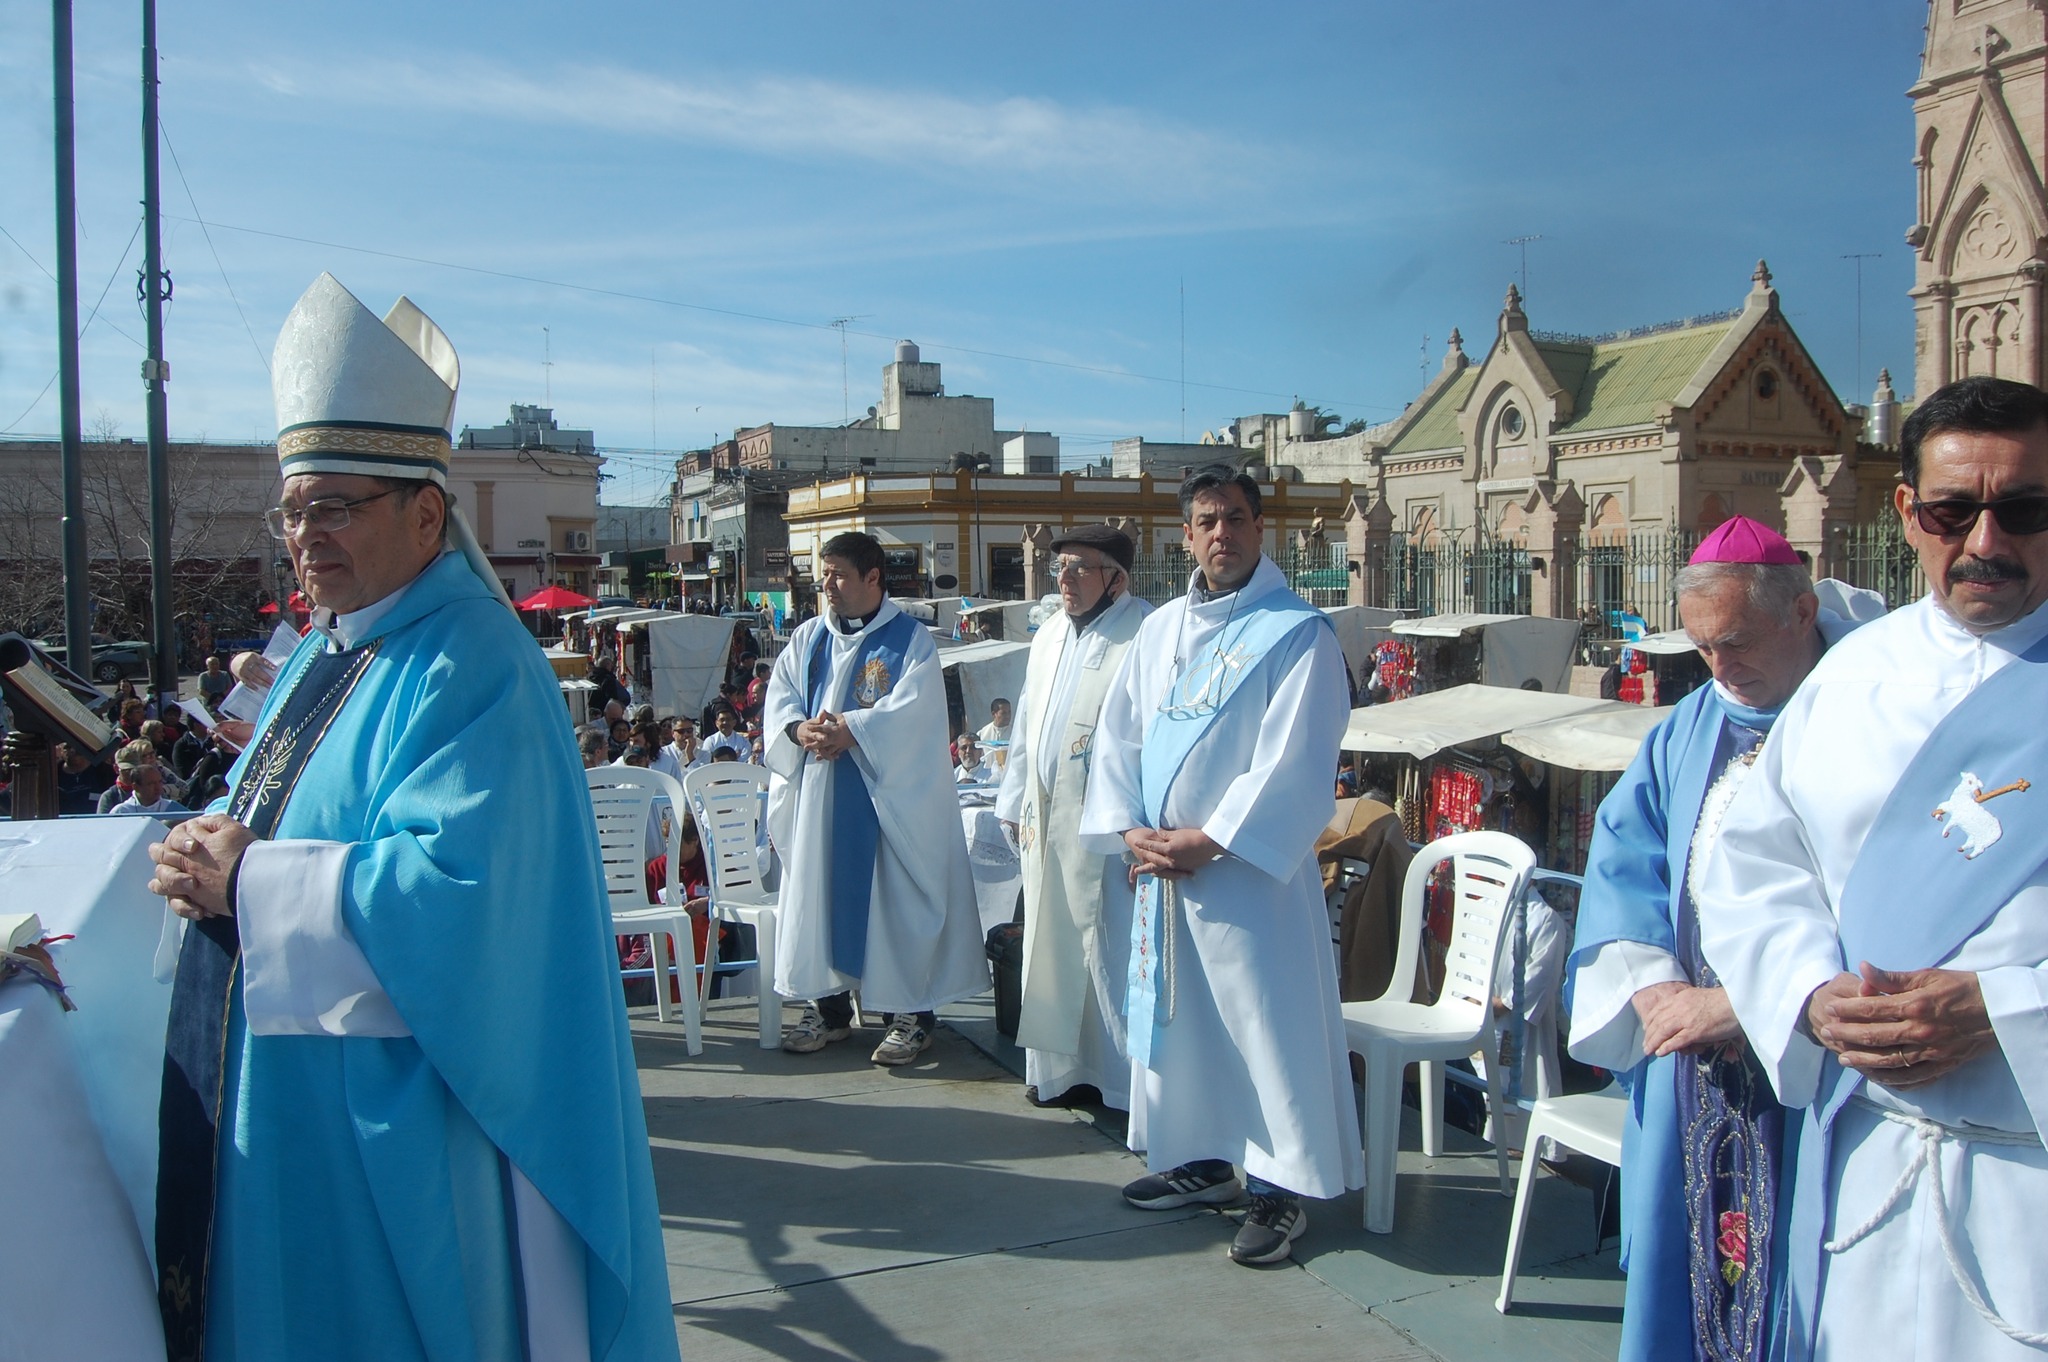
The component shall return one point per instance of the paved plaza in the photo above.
(818, 1207)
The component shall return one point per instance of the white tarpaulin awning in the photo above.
(599, 616)
(1597, 740)
(1426, 724)
(990, 670)
(688, 656)
(1514, 649)
(1448, 626)
(1666, 644)
(637, 619)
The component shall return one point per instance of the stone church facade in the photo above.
(1980, 231)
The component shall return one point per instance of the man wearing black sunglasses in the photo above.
(1924, 1072)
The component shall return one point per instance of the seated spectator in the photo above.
(215, 683)
(594, 747)
(618, 732)
(635, 952)
(972, 770)
(682, 744)
(726, 737)
(131, 714)
(188, 744)
(138, 783)
(80, 780)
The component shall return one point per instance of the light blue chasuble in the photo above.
(1194, 700)
(1635, 891)
(363, 1205)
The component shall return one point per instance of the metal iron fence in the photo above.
(1878, 558)
(1319, 572)
(1488, 577)
(1633, 574)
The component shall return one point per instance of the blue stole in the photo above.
(1191, 705)
(878, 665)
(188, 1113)
(1996, 733)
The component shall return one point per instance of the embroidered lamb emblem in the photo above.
(1965, 809)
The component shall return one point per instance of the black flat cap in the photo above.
(1105, 538)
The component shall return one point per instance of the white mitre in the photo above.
(374, 398)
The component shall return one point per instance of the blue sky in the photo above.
(1028, 191)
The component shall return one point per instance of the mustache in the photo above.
(1987, 570)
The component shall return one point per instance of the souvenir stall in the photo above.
(1655, 670)
(1360, 630)
(1413, 657)
(977, 674)
(1582, 755)
(1002, 621)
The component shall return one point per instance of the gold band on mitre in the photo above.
(375, 450)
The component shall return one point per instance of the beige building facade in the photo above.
(986, 535)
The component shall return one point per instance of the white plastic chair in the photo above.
(1590, 1122)
(1490, 872)
(726, 798)
(621, 798)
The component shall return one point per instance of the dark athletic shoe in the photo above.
(1270, 1228)
(1183, 1186)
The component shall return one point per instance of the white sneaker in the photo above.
(906, 1041)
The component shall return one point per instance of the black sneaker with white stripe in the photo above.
(1187, 1185)
(1271, 1226)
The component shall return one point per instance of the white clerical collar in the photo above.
(346, 631)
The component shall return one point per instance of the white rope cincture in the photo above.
(1169, 903)
(1931, 1134)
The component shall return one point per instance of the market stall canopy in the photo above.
(1359, 629)
(1514, 649)
(1603, 739)
(609, 612)
(687, 655)
(989, 670)
(1426, 724)
(1013, 618)
(638, 619)
(1666, 644)
(556, 598)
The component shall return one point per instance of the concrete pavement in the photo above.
(819, 1207)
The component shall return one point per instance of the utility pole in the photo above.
(1859, 258)
(156, 373)
(77, 604)
(1523, 243)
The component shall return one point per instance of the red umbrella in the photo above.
(555, 598)
(298, 603)
(267, 608)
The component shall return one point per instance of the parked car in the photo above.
(111, 660)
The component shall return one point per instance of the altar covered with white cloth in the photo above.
(79, 1102)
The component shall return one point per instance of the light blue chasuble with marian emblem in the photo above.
(1198, 694)
(363, 1205)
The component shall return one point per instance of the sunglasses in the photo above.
(1958, 515)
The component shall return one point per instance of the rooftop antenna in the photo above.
(840, 324)
(1183, 359)
(1424, 365)
(1523, 243)
(547, 368)
(1859, 258)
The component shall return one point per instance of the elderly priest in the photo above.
(1877, 908)
(1704, 1151)
(1077, 901)
(400, 1115)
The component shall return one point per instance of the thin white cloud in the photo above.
(1024, 138)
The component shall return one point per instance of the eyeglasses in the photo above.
(1079, 568)
(319, 517)
(1958, 515)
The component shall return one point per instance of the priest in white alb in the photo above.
(1212, 771)
(1077, 920)
(877, 893)
(1877, 909)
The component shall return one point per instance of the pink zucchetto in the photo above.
(1739, 539)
